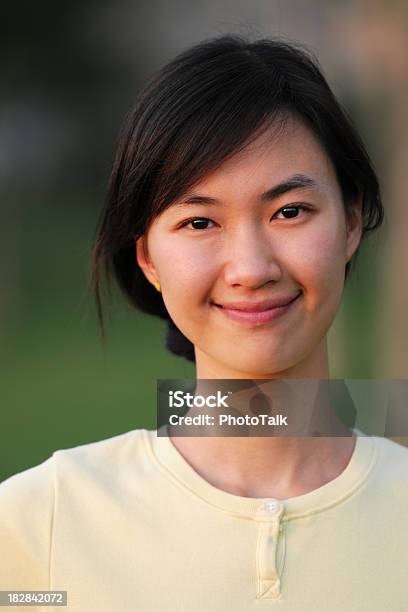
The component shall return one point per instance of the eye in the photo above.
(291, 212)
(288, 212)
(200, 223)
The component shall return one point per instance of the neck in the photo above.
(314, 365)
(266, 465)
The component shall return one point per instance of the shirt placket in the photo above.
(268, 518)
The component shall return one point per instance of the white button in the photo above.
(271, 506)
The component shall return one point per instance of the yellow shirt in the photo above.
(126, 524)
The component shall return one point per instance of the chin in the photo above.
(260, 365)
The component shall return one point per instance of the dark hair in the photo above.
(192, 115)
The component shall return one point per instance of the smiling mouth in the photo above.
(256, 317)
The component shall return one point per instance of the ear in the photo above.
(144, 261)
(354, 222)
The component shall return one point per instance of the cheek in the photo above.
(316, 261)
(186, 270)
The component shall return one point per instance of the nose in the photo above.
(251, 258)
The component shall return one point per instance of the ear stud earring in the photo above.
(157, 286)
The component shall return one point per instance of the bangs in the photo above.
(205, 120)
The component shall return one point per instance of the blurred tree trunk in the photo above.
(377, 54)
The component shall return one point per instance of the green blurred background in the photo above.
(70, 73)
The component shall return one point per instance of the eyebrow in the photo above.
(297, 181)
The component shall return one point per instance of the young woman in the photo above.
(239, 194)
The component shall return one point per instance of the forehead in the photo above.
(281, 151)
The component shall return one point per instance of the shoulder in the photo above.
(39, 481)
(393, 454)
(27, 498)
(26, 516)
(105, 463)
(101, 454)
(391, 473)
(30, 499)
(36, 487)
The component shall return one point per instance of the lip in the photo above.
(244, 306)
(257, 312)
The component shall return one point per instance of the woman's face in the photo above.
(270, 225)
